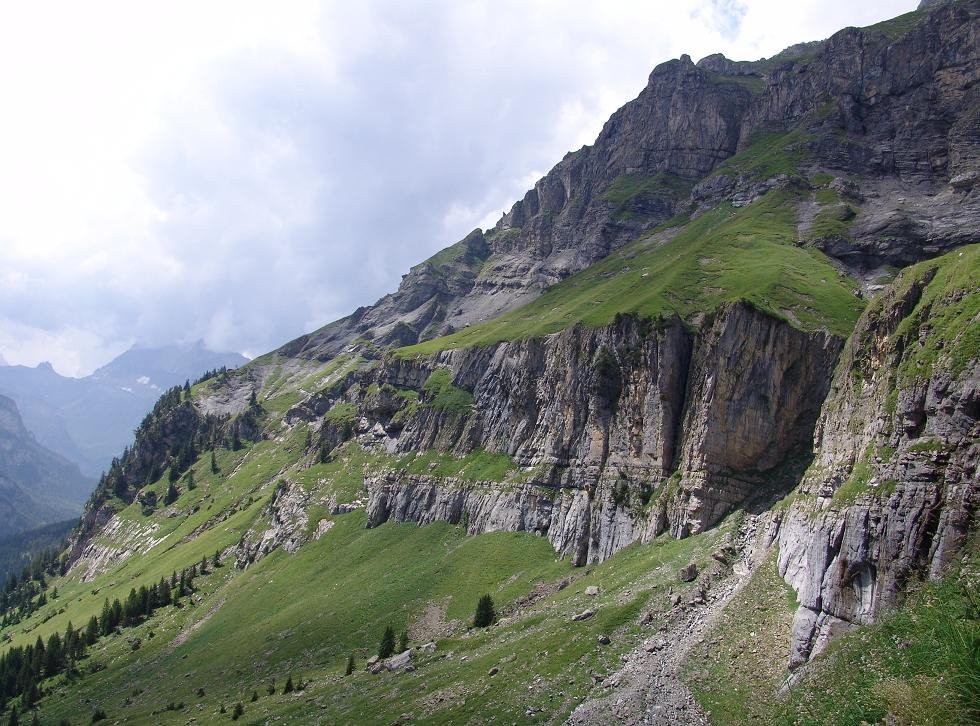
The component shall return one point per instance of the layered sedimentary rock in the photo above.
(893, 492)
(631, 429)
(893, 106)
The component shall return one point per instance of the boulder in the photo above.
(688, 573)
(397, 662)
(584, 615)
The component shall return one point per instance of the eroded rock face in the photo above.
(896, 110)
(284, 525)
(893, 492)
(632, 428)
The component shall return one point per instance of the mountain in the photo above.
(90, 420)
(37, 486)
(700, 414)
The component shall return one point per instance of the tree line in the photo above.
(24, 668)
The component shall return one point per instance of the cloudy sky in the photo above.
(243, 172)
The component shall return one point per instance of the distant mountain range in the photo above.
(90, 420)
(37, 486)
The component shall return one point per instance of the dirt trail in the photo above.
(648, 689)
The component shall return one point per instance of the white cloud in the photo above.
(245, 172)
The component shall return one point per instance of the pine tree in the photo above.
(171, 496)
(485, 614)
(238, 712)
(403, 642)
(255, 696)
(350, 665)
(252, 400)
(191, 484)
(387, 643)
(216, 560)
(236, 441)
(92, 630)
(105, 620)
(214, 463)
(288, 688)
(171, 476)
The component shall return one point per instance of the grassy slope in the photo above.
(919, 664)
(736, 670)
(725, 254)
(304, 613)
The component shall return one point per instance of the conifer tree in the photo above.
(105, 620)
(216, 560)
(214, 463)
(255, 696)
(92, 631)
(171, 496)
(485, 614)
(191, 484)
(288, 688)
(387, 643)
(403, 642)
(350, 665)
(236, 441)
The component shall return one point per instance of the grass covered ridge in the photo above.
(724, 255)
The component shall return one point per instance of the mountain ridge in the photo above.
(89, 420)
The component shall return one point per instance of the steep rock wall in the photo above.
(635, 427)
(893, 493)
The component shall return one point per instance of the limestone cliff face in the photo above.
(631, 429)
(892, 494)
(893, 106)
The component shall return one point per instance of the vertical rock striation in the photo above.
(893, 493)
(631, 429)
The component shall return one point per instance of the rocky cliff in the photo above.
(892, 107)
(628, 430)
(892, 494)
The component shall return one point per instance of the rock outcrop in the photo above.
(892, 494)
(632, 429)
